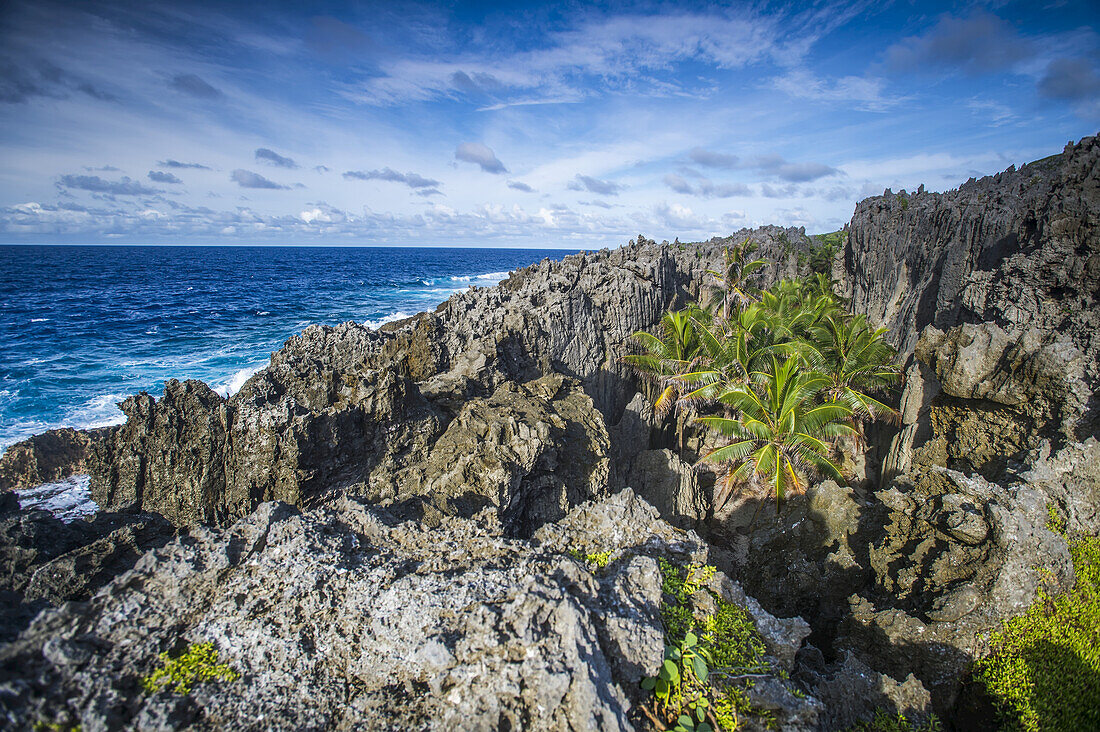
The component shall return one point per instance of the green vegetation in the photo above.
(1044, 670)
(599, 560)
(884, 722)
(55, 727)
(709, 661)
(1056, 522)
(197, 664)
(823, 248)
(783, 375)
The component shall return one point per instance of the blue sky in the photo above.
(504, 124)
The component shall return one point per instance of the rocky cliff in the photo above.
(386, 414)
(511, 405)
(351, 617)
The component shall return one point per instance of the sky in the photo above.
(565, 125)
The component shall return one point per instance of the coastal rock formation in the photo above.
(350, 409)
(47, 457)
(44, 561)
(1018, 249)
(345, 616)
(481, 425)
(910, 580)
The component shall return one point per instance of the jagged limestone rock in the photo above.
(47, 457)
(346, 617)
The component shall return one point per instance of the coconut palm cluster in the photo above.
(781, 375)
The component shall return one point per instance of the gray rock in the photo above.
(344, 617)
(47, 457)
(670, 484)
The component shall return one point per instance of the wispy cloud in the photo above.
(482, 155)
(866, 93)
(412, 180)
(248, 179)
(705, 188)
(194, 86)
(159, 176)
(517, 185)
(595, 185)
(95, 184)
(264, 155)
(182, 166)
(710, 159)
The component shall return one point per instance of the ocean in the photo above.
(82, 327)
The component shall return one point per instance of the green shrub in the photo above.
(197, 664)
(1044, 670)
(709, 661)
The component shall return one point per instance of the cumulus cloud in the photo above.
(95, 184)
(412, 180)
(194, 86)
(248, 179)
(264, 155)
(177, 164)
(520, 186)
(595, 185)
(475, 152)
(158, 176)
(1070, 79)
(978, 44)
(709, 159)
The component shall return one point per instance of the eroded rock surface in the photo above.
(346, 617)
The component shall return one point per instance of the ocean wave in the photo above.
(399, 315)
(18, 430)
(40, 320)
(231, 386)
(99, 411)
(69, 499)
(495, 276)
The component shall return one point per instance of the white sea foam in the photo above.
(399, 315)
(236, 381)
(69, 499)
(99, 411)
(488, 276)
(40, 320)
(20, 429)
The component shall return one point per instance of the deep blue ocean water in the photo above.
(81, 328)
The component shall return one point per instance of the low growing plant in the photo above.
(709, 661)
(1044, 670)
(198, 663)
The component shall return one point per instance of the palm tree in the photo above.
(782, 431)
(729, 352)
(856, 360)
(665, 358)
(733, 289)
